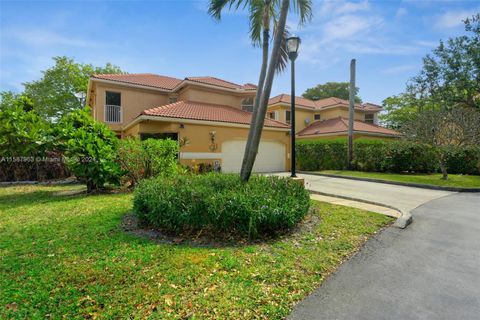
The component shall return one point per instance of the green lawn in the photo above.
(65, 256)
(454, 180)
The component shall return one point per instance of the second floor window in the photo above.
(113, 109)
(271, 115)
(316, 117)
(369, 118)
(287, 116)
(247, 104)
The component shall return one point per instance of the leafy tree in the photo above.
(444, 129)
(54, 95)
(263, 14)
(331, 89)
(450, 75)
(22, 132)
(90, 149)
(450, 78)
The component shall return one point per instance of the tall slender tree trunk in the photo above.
(261, 81)
(259, 119)
(351, 114)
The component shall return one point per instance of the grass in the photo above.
(64, 256)
(454, 180)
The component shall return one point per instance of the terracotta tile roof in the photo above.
(144, 79)
(221, 83)
(169, 83)
(209, 112)
(340, 125)
(322, 103)
(286, 98)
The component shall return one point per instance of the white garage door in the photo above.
(270, 157)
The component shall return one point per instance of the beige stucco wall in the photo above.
(198, 136)
(340, 112)
(200, 94)
(134, 101)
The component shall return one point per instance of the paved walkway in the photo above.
(357, 204)
(431, 270)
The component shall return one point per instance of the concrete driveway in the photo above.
(400, 197)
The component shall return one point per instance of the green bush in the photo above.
(148, 158)
(90, 149)
(384, 156)
(321, 154)
(464, 160)
(221, 204)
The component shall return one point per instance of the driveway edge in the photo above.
(402, 222)
(397, 183)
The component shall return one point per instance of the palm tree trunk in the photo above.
(261, 82)
(259, 119)
(351, 114)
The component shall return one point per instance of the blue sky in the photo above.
(178, 38)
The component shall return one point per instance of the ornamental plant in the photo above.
(148, 158)
(90, 149)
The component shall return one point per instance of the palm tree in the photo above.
(263, 14)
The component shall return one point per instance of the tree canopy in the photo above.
(55, 93)
(449, 78)
(331, 89)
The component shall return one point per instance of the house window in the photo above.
(370, 118)
(316, 116)
(113, 109)
(172, 99)
(271, 115)
(287, 116)
(247, 104)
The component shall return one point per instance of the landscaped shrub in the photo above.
(464, 160)
(148, 158)
(384, 156)
(221, 204)
(322, 154)
(90, 149)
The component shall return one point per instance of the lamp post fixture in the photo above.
(293, 43)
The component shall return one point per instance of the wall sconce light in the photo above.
(213, 145)
(182, 126)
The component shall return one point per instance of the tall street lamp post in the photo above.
(293, 43)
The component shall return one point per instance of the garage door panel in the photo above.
(270, 157)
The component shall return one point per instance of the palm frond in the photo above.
(283, 60)
(216, 7)
(257, 11)
(304, 10)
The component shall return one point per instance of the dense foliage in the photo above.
(26, 149)
(90, 149)
(447, 80)
(148, 158)
(331, 89)
(221, 203)
(386, 156)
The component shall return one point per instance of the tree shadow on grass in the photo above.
(20, 199)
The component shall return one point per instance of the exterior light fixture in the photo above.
(293, 44)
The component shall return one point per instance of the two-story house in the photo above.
(209, 117)
(328, 118)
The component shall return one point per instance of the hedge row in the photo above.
(221, 203)
(384, 156)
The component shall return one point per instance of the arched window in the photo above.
(247, 104)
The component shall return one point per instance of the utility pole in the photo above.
(351, 113)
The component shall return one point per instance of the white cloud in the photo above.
(348, 26)
(452, 19)
(401, 12)
(400, 69)
(46, 38)
(337, 7)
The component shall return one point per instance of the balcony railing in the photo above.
(113, 114)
